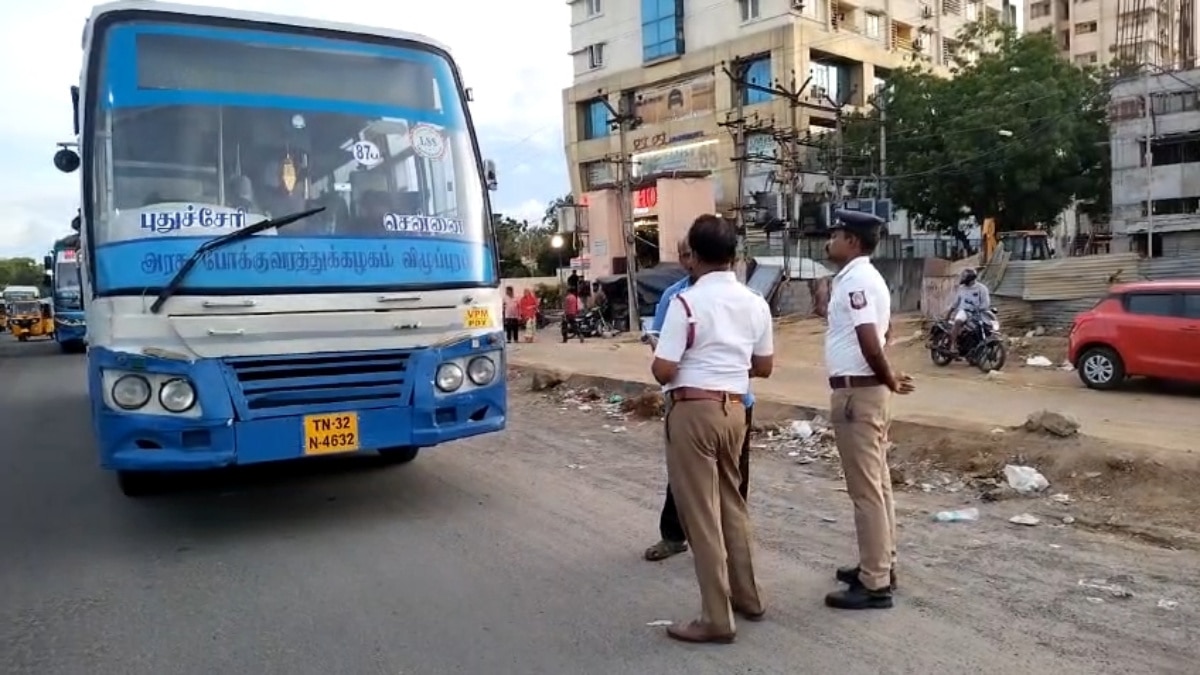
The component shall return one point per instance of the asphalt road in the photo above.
(517, 554)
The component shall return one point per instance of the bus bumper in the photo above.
(239, 420)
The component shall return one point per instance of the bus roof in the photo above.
(242, 15)
(22, 289)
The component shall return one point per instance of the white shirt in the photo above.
(858, 296)
(732, 323)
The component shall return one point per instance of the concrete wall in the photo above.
(519, 284)
(903, 277)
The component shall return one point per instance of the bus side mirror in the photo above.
(76, 223)
(47, 282)
(66, 160)
(48, 262)
(75, 109)
(489, 174)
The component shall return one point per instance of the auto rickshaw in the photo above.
(30, 318)
(3, 316)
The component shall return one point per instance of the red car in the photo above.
(1145, 328)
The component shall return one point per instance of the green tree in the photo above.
(1017, 134)
(21, 272)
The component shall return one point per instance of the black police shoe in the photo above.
(859, 597)
(849, 575)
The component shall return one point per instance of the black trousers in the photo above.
(512, 330)
(669, 526)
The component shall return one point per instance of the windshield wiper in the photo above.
(212, 244)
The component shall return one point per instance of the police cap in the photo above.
(856, 221)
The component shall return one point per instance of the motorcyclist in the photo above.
(973, 298)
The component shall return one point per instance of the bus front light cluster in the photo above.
(133, 392)
(177, 395)
(449, 377)
(481, 370)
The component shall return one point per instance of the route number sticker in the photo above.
(366, 153)
(478, 317)
(427, 141)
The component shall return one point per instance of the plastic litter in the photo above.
(959, 516)
(1025, 479)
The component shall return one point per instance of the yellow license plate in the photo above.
(331, 434)
(478, 317)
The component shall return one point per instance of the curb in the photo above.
(765, 410)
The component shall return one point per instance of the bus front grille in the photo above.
(275, 386)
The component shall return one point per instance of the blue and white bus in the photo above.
(70, 327)
(287, 244)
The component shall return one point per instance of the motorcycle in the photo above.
(590, 324)
(980, 343)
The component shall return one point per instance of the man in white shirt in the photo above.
(862, 380)
(715, 336)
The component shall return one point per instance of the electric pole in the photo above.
(737, 126)
(624, 121)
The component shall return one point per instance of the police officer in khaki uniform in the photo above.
(858, 320)
(715, 336)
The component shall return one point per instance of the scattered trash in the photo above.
(828, 519)
(959, 516)
(1026, 480)
(618, 430)
(1115, 590)
(1066, 367)
(1056, 424)
(1168, 605)
(999, 430)
(801, 429)
(1061, 498)
(1039, 362)
(1027, 519)
(1094, 600)
(616, 398)
(660, 623)
(584, 408)
(1067, 520)
(575, 466)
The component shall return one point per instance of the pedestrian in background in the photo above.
(862, 383)
(715, 335)
(528, 309)
(672, 540)
(512, 316)
(572, 306)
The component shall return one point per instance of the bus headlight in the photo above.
(481, 370)
(131, 392)
(449, 377)
(177, 395)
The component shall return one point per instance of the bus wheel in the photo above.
(399, 455)
(136, 483)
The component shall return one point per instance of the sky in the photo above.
(517, 79)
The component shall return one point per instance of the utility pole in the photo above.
(883, 185)
(624, 121)
(789, 142)
(1151, 132)
(737, 126)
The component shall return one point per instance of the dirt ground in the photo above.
(982, 596)
(954, 396)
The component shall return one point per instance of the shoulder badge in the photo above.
(858, 299)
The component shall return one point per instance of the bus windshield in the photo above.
(200, 131)
(67, 294)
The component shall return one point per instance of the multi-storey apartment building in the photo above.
(1157, 193)
(664, 60)
(1153, 32)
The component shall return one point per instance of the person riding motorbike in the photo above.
(973, 298)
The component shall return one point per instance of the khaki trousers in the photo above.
(861, 418)
(704, 444)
